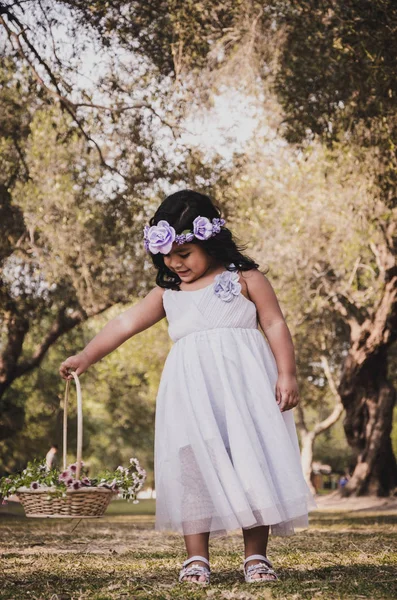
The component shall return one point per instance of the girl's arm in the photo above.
(139, 317)
(275, 328)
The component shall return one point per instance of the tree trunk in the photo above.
(367, 395)
(307, 443)
(369, 398)
(308, 437)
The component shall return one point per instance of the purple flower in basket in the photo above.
(69, 481)
(105, 485)
(86, 481)
(227, 285)
(73, 468)
(64, 475)
(160, 237)
(202, 228)
(34, 485)
(76, 485)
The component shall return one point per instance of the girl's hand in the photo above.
(287, 393)
(78, 362)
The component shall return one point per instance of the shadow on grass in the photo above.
(358, 581)
(351, 519)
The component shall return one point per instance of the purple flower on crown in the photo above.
(145, 240)
(159, 238)
(227, 285)
(202, 228)
(217, 224)
(183, 238)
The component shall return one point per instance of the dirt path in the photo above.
(334, 501)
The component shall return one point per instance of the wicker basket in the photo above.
(84, 503)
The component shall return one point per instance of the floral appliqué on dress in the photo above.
(227, 285)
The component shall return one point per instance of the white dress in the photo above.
(226, 457)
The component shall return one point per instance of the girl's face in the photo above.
(189, 261)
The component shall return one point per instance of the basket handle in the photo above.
(79, 424)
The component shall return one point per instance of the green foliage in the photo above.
(125, 481)
(176, 35)
(310, 217)
(331, 448)
(34, 475)
(337, 78)
(74, 254)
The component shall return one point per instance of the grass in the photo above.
(343, 555)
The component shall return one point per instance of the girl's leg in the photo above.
(197, 544)
(255, 542)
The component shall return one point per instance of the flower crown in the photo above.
(160, 237)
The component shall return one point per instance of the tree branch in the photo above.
(379, 330)
(61, 325)
(384, 254)
(300, 421)
(347, 310)
(342, 304)
(338, 408)
(17, 327)
(57, 93)
(10, 370)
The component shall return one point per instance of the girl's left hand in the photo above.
(287, 393)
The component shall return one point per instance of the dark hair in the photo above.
(180, 210)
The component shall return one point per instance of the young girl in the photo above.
(226, 449)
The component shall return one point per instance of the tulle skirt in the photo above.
(226, 457)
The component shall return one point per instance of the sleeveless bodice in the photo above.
(203, 310)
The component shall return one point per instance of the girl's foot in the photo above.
(258, 567)
(198, 570)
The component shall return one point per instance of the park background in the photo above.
(285, 114)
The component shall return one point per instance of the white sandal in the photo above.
(195, 570)
(263, 568)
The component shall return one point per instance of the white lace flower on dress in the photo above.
(227, 285)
